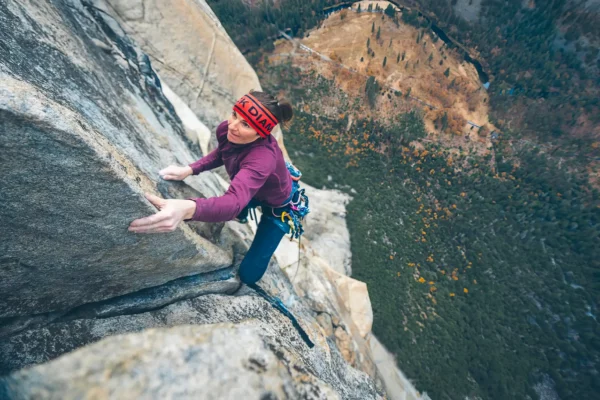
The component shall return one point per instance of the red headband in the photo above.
(257, 115)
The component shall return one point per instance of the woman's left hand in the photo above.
(171, 213)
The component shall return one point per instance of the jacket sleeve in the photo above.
(250, 178)
(210, 161)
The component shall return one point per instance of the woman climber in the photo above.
(259, 177)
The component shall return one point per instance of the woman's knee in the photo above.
(251, 273)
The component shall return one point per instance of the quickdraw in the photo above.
(290, 219)
(294, 211)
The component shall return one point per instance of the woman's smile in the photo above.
(233, 137)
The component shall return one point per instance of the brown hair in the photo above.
(282, 110)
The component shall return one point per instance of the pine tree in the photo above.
(390, 45)
(384, 61)
(378, 33)
(368, 43)
(430, 58)
(447, 73)
(373, 27)
(358, 9)
(406, 65)
(398, 58)
(391, 11)
(403, 54)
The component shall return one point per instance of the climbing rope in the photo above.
(278, 304)
(298, 264)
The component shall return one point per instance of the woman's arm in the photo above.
(211, 161)
(254, 171)
(251, 177)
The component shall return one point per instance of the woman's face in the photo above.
(239, 131)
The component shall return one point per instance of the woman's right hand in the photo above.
(175, 173)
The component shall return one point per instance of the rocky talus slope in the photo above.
(89, 310)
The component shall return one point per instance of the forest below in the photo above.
(483, 282)
(483, 271)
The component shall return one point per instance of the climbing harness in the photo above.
(297, 208)
(278, 304)
(292, 213)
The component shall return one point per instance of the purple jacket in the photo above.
(257, 170)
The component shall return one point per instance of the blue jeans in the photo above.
(268, 235)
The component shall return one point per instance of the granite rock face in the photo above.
(85, 126)
(179, 362)
(328, 233)
(84, 131)
(255, 354)
(192, 53)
